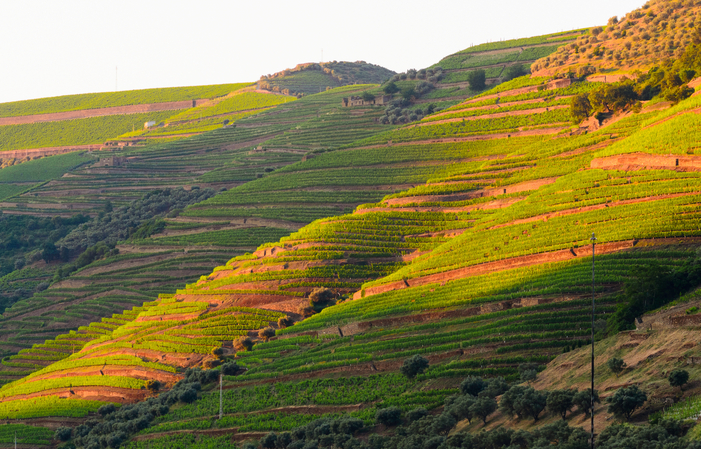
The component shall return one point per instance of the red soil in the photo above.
(491, 267)
(520, 187)
(645, 161)
(496, 204)
(136, 372)
(47, 151)
(546, 217)
(95, 393)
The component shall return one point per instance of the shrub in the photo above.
(305, 311)
(188, 396)
(49, 252)
(678, 378)
(153, 385)
(423, 87)
(528, 371)
(218, 352)
(367, 96)
(321, 295)
(414, 365)
(443, 423)
(616, 365)
(243, 344)
(508, 400)
(529, 375)
(266, 333)
(483, 407)
(284, 439)
(561, 402)
(477, 79)
(408, 92)
(626, 400)
(580, 108)
(390, 416)
(211, 363)
(63, 433)
(416, 414)
(106, 409)
(496, 386)
(284, 322)
(514, 71)
(230, 369)
(390, 88)
(269, 441)
(531, 402)
(460, 407)
(473, 385)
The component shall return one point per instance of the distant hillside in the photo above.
(659, 30)
(313, 78)
(339, 241)
(450, 81)
(113, 99)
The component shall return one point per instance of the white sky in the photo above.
(50, 48)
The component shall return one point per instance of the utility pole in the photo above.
(221, 396)
(115, 79)
(593, 246)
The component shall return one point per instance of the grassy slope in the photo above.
(498, 319)
(94, 130)
(494, 58)
(189, 246)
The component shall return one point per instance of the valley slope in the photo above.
(463, 237)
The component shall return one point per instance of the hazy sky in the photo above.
(50, 47)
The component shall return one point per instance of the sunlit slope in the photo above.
(501, 61)
(483, 265)
(313, 78)
(188, 246)
(91, 119)
(639, 40)
(147, 343)
(114, 99)
(213, 114)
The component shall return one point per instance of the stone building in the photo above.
(357, 101)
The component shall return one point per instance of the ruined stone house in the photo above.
(357, 101)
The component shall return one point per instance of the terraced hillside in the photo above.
(184, 247)
(59, 125)
(641, 39)
(480, 261)
(313, 78)
(501, 61)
